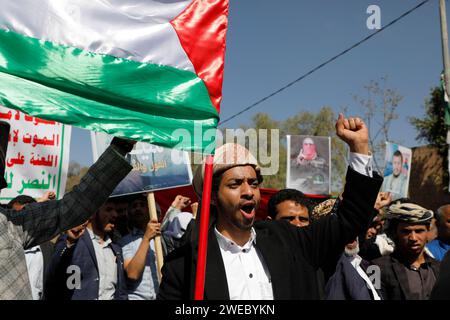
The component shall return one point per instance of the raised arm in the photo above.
(134, 263)
(40, 222)
(324, 240)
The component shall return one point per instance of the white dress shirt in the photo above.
(107, 267)
(35, 267)
(247, 274)
(361, 163)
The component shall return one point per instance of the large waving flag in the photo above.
(133, 68)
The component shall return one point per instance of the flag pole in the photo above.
(446, 59)
(444, 36)
(158, 247)
(203, 236)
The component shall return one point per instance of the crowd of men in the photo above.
(360, 246)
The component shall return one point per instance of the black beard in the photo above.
(243, 226)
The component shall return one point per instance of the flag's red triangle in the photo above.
(202, 28)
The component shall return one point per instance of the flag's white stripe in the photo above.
(133, 29)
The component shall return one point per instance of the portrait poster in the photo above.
(397, 170)
(309, 164)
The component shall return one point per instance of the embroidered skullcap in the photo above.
(227, 156)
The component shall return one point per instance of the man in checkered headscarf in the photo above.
(409, 273)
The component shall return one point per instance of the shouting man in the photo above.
(269, 259)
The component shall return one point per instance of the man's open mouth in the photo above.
(248, 210)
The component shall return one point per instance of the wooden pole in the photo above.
(158, 247)
(203, 236)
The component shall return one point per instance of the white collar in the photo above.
(97, 238)
(355, 260)
(229, 245)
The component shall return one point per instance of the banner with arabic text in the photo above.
(37, 159)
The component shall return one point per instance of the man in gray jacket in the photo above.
(40, 222)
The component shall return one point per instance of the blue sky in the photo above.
(270, 43)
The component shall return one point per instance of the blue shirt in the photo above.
(438, 249)
(146, 287)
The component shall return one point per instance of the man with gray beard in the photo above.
(350, 281)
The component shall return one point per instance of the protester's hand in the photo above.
(181, 202)
(49, 195)
(194, 208)
(383, 199)
(354, 132)
(300, 159)
(75, 233)
(153, 229)
(123, 145)
(371, 233)
(375, 227)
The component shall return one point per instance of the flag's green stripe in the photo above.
(100, 88)
(148, 88)
(49, 103)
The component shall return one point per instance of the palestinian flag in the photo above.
(133, 68)
(446, 103)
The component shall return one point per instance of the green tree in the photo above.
(431, 128)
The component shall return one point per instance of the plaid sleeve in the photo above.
(40, 222)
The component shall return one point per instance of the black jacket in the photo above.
(394, 281)
(292, 254)
(441, 290)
